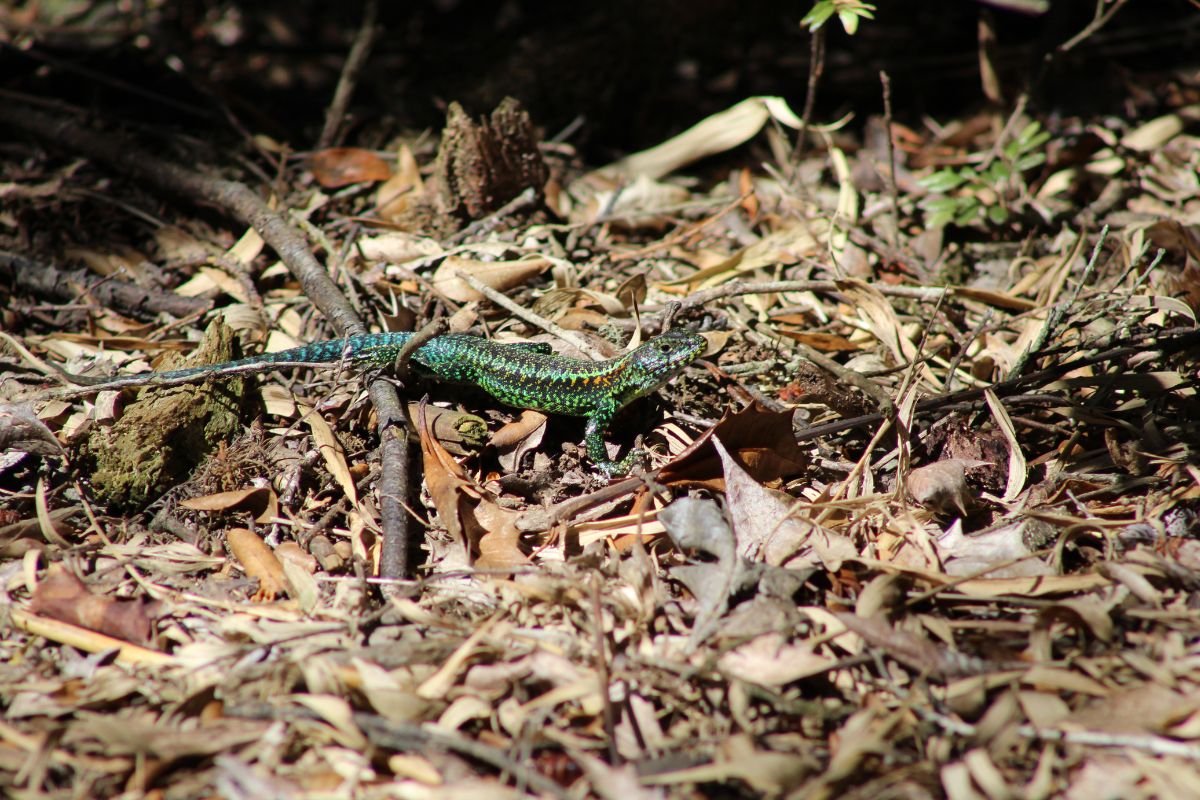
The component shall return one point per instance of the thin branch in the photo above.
(532, 317)
(360, 51)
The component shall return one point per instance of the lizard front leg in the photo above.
(597, 425)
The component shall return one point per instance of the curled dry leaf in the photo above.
(396, 194)
(455, 496)
(517, 438)
(770, 660)
(499, 546)
(1011, 544)
(259, 501)
(761, 441)
(942, 486)
(714, 134)
(498, 275)
(20, 429)
(331, 453)
(258, 561)
(399, 247)
(62, 596)
(764, 521)
(643, 204)
(884, 325)
(341, 166)
(695, 524)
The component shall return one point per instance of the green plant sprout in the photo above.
(849, 12)
(967, 195)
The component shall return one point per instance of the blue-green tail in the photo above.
(379, 349)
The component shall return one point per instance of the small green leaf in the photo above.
(820, 13)
(942, 181)
(968, 212)
(996, 172)
(998, 215)
(1032, 136)
(937, 204)
(939, 220)
(1030, 161)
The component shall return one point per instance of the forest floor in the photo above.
(922, 521)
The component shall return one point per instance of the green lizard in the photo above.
(524, 375)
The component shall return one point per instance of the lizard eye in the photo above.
(664, 348)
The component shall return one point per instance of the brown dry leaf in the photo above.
(632, 292)
(1084, 612)
(439, 684)
(416, 768)
(392, 694)
(454, 495)
(399, 247)
(118, 260)
(995, 298)
(149, 735)
(770, 660)
(62, 596)
(1016, 459)
(498, 275)
(642, 204)
(336, 167)
(394, 196)
(23, 535)
(244, 251)
(178, 244)
(717, 133)
(258, 561)
(761, 441)
(823, 342)
(1148, 708)
(46, 521)
(942, 486)
(499, 546)
(909, 649)
(518, 437)
(20, 429)
(884, 325)
(1064, 680)
(331, 453)
(788, 245)
(338, 714)
(643, 524)
(259, 501)
(768, 773)
(766, 523)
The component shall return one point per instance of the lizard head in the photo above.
(657, 361)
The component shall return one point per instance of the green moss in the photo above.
(165, 433)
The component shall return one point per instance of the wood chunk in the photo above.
(483, 165)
